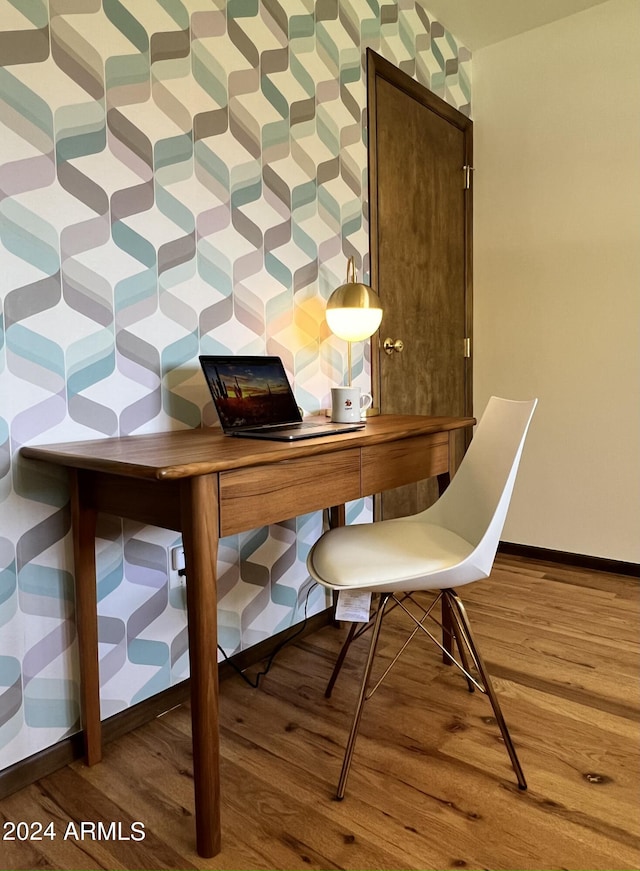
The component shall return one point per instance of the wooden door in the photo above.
(420, 226)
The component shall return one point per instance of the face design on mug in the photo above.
(348, 403)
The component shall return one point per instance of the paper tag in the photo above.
(353, 606)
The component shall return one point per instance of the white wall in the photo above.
(557, 271)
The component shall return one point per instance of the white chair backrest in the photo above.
(475, 504)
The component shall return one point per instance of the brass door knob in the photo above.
(391, 345)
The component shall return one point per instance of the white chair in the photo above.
(451, 544)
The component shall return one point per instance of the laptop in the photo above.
(254, 399)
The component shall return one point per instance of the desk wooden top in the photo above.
(187, 453)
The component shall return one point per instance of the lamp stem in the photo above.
(349, 361)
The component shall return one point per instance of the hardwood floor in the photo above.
(431, 785)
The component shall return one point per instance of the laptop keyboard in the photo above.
(290, 426)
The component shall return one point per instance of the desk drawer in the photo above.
(403, 462)
(261, 495)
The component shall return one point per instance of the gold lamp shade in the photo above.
(353, 311)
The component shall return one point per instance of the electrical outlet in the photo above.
(177, 558)
(177, 564)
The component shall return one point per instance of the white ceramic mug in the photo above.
(348, 404)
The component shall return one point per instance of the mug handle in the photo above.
(366, 401)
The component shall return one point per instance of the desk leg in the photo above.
(447, 625)
(199, 511)
(447, 630)
(83, 521)
(337, 516)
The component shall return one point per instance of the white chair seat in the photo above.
(390, 555)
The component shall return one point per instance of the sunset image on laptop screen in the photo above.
(248, 395)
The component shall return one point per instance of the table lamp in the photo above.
(353, 311)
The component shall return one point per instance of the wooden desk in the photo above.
(205, 485)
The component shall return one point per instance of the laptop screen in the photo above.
(250, 391)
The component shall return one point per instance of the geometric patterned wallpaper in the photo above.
(176, 177)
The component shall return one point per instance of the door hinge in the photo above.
(467, 176)
(467, 347)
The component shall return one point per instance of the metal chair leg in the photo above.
(355, 631)
(459, 616)
(362, 697)
(341, 657)
(464, 659)
(449, 638)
